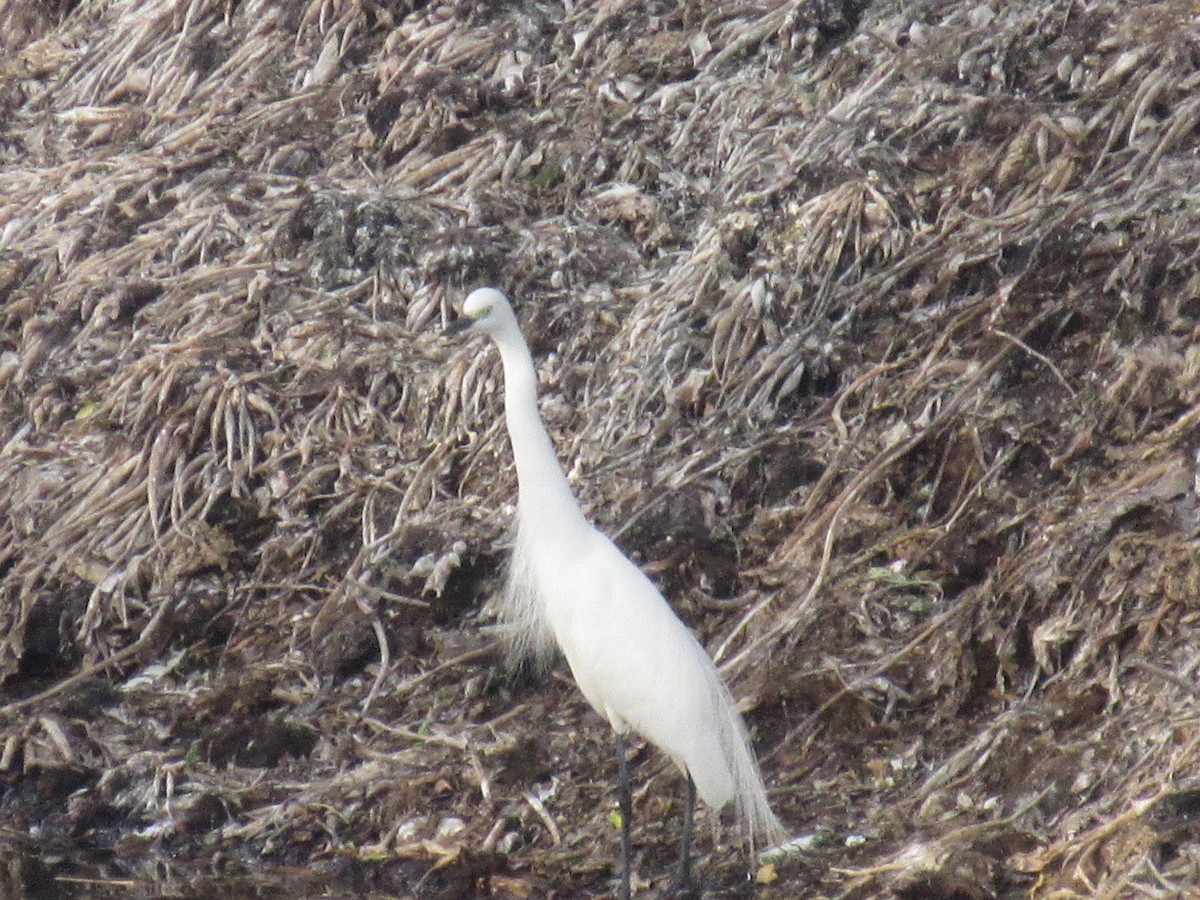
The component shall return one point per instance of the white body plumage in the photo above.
(570, 587)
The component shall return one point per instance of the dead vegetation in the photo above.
(870, 327)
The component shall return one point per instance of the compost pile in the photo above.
(868, 329)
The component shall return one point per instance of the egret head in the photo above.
(485, 311)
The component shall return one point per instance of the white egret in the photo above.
(636, 663)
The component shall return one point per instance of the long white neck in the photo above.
(544, 494)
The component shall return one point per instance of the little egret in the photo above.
(636, 663)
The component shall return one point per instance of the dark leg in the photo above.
(625, 804)
(684, 886)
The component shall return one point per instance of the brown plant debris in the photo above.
(869, 328)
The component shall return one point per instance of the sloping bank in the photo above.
(869, 329)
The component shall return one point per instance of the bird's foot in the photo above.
(685, 888)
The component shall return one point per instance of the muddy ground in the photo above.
(867, 328)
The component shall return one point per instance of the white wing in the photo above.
(640, 667)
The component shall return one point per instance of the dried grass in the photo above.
(870, 329)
